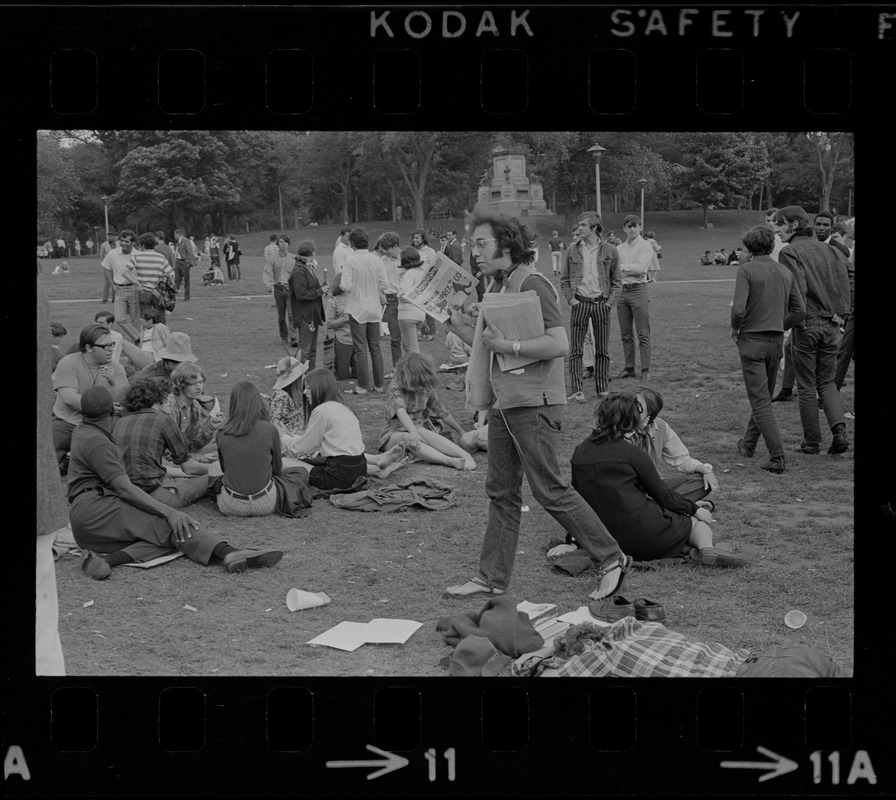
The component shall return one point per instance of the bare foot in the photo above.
(386, 471)
(457, 463)
(608, 584)
(393, 454)
(469, 464)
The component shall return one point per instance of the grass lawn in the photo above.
(798, 525)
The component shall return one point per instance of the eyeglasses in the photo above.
(109, 346)
(480, 243)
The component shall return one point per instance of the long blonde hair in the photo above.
(414, 373)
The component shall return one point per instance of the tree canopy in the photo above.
(226, 180)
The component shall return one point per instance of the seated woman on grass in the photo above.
(695, 480)
(155, 333)
(287, 406)
(334, 431)
(193, 411)
(416, 416)
(618, 480)
(249, 456)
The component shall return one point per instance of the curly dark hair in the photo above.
(617, 415)
(146, 392)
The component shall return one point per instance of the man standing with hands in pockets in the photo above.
(524, 421)
(632, 307)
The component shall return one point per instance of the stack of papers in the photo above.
(351, 635)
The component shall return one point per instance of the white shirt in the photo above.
(590, 286)
(779, 246)
(332, 429)
(123, 267)
(340, 254)
(363, 278)
(427, 255)
(393, 276)
(638, 257)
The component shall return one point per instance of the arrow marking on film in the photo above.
(780, 765)
(392, 762)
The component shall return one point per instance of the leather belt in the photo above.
(239, 496)
(628, 286)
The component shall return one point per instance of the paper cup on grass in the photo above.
(794, 619)
(299, 599)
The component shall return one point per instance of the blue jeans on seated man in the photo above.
(815, 364)
(525, 441)
(760, 355)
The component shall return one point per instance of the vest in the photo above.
(536, 384)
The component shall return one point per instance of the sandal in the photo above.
(485, 590)
(625, 565)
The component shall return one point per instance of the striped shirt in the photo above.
(152, 266)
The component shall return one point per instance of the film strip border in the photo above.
(472, 737)
(379, 66)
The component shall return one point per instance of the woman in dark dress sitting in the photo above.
(619, 481)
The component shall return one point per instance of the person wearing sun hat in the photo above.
(286, 406)
(176, 351)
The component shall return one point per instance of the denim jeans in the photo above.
(284, 313)
(815, 364)
(845, 353)
(525, 441)
(760, 354)
(409, 329)
(787, 376)
(390, 317)
(633, 310)
(366, 339)
(308, 342)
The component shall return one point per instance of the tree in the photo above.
(722, 168)
(413, 153)
(185, 176)
(832, 150)
(58, 186)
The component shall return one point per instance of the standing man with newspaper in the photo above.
(524, 419)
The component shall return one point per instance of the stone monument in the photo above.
(510, 191)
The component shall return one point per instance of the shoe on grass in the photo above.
(713, 557)
(775, 465)
(241, 560)
(579, 397)
(626, 373)
(840, 444)
(806, 449)
(611, 609)
(94, 566)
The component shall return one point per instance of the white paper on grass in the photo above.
(351, 635)
(390, 631)
(344, 636)
(154, 562)
(580, 615)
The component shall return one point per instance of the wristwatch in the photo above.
(516, 348)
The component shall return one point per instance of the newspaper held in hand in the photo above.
(443, 287)
(518, 316)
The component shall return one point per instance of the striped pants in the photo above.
(597, 312)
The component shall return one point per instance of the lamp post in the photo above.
(106, 210)
(596, 152)
(643, 182)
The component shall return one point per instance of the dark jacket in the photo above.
(607, 262)
(305, 294)
(453, 251)
(820, 274)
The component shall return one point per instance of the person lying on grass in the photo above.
(115, 522)
(696, 480)
(618, 479)
(144, 437)
(333, 430)
(416, 416)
